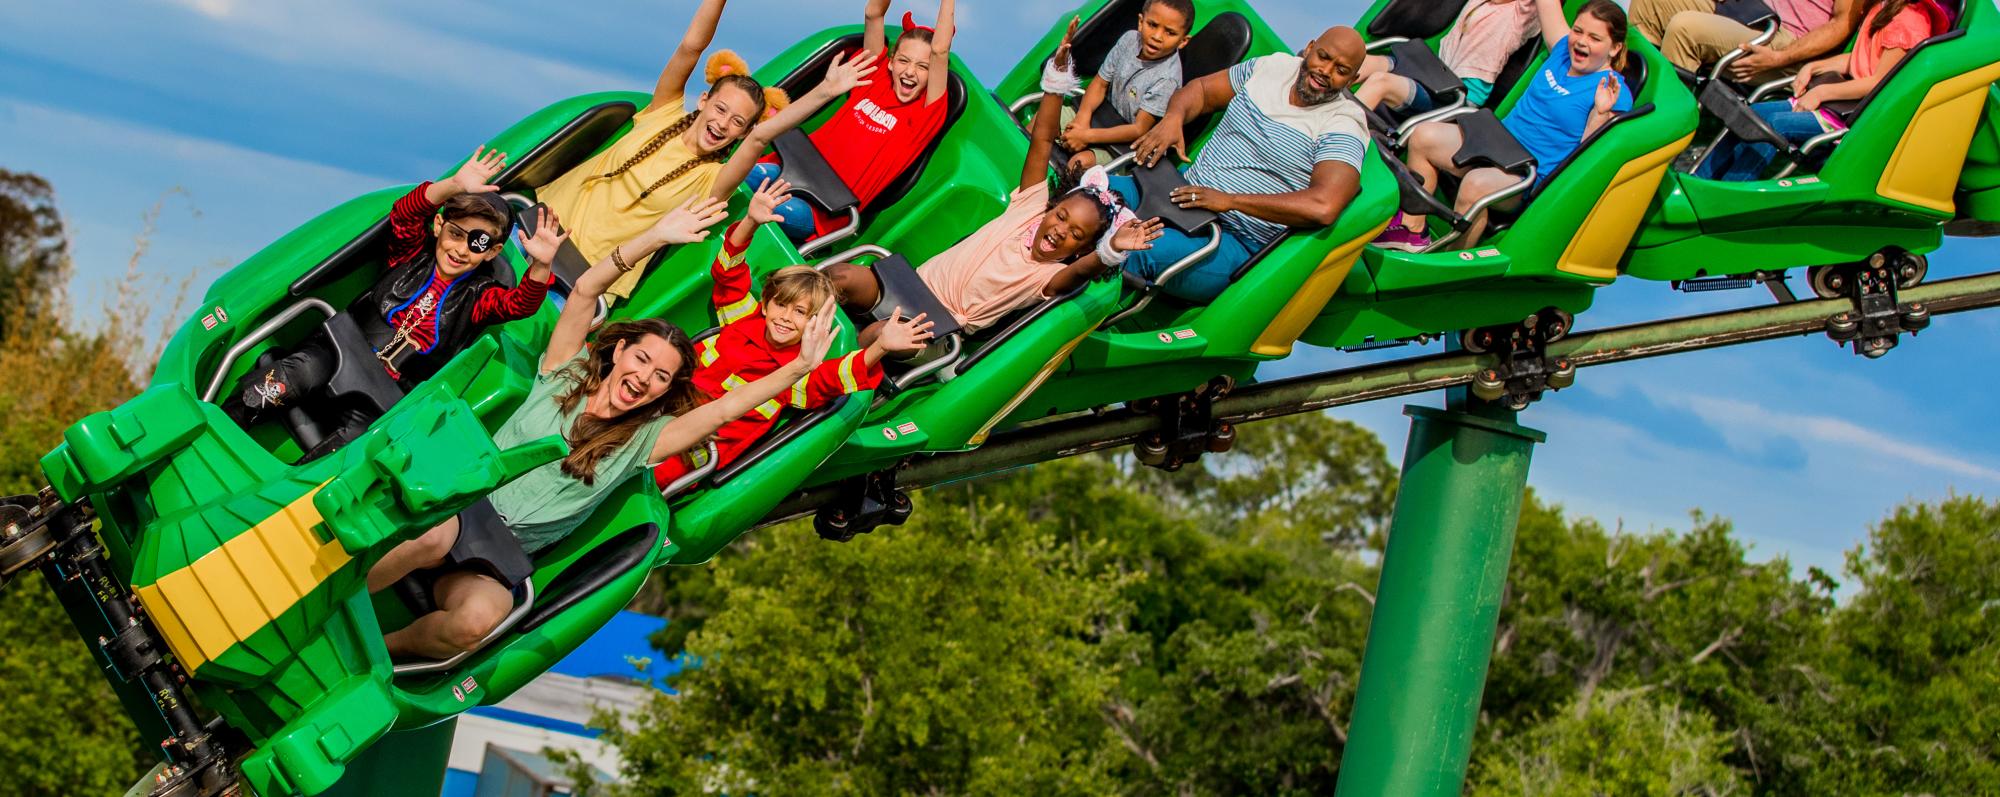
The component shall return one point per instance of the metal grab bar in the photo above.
(257, 336)
(506, 624)
(1761, 39)
(1153, 286)
(700, 472)
(807, 249)
(1480, 207)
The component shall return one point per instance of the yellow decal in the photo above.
(233, 591)
(1600, 242)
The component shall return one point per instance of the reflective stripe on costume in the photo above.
(848, 384)
(799, 395)
(733, 382)
(736, 311)
(705, 351)
(769, 409)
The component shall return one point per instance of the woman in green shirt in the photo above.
(623, 404)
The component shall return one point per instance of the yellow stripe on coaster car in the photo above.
(219, 600)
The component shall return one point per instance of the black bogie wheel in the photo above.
(1915, 317)
(1829, 282)
(1910, 270)
(1476, 341)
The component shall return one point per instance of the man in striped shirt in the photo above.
(1287, 154)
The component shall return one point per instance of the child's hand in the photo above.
(904, 335)
(1607, 94)
(1811, 100)
(689, 223)
(1137, 236)
(542, 247)
(1801, 81)
(1076, 137)
(1062, 50)
(818, 338)
(842, 78)
(473, 176)
(764, 204)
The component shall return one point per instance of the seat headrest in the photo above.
(1634, 72)
(1414, 19)
(1217, 46)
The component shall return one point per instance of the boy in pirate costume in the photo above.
(761, 332)
(436, 294)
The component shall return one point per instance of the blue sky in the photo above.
(242, 119)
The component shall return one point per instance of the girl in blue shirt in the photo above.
(1576, 91)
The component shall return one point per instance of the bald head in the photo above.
(1331, 63)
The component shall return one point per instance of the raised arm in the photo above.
(1554, 25)
(687, 55)
(1133, 237)
(688, 223)
(1042, 140)
(941, 53)
(1206, 94)
(1319, 204)
(841, 77)
(873, 37)
(687, 431)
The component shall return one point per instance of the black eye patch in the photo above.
(478, 241)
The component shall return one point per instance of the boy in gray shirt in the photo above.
(1140, 74)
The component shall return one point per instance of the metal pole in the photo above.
(1082, 433)
(1436, 607)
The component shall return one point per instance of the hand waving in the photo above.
(764, 204)
(472, 177)
(541, 248)
(1062, 50)
(904, 335)
(1137, 236)
(1607, 94)
(843, 77)
(818, 339)
(689, 223)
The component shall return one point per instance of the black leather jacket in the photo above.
(453, 319)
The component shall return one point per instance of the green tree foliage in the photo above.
(66, 731)
(1226, 607)
(1620, 746)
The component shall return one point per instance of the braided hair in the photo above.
(1069, 182)
(744, 83)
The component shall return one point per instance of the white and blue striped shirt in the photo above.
(1267, 145)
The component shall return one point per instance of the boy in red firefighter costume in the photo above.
(760, 333)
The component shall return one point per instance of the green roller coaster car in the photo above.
(1921, 159)
(225, 578)
(1106, 341)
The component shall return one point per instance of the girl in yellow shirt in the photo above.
(672, 155)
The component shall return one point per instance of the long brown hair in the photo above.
(1885, 12)
(744, 83)
(1614, 18)
(593, 438)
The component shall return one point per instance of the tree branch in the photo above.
(1728, 638)
(1357, 589)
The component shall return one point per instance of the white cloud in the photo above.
(1743, 416)
(215, 9)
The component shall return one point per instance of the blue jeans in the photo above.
(1200, 283)
(796, 216)
(1739, 161)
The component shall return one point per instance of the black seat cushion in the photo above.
(901, 287)
(1416, 61)
(1219, 45)
(1098, 34)
(569, 263)
(1413, 19)
(1748, 13)
(811, 175)
(1156, 184)
(358, 377)
(1487, 143)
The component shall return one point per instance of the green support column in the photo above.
(408, 763)
(1431, 637)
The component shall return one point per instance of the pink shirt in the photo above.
(1904, 32)
(1485, 34)
(992, 273)
(1799, 16)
